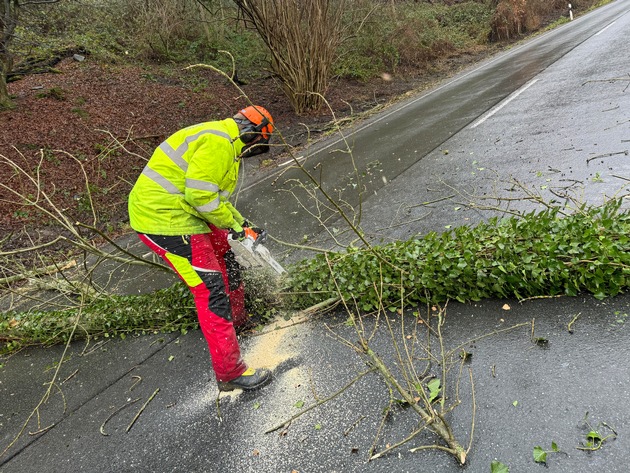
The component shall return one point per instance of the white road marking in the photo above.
(292, 161)
(601, 31)
(505, 102)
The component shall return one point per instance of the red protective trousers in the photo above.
(206, 264)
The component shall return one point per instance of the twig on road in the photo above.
(142, 409)
(625, 152)
(102, 428)
(318, 403)
(46, 395)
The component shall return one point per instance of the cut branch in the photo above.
(433, 421)
(50, 269)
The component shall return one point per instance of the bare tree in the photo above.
(302, 38)
(9, 15)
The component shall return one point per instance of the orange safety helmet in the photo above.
(261, 118)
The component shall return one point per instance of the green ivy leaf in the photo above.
(594, 435)
(498, 467)
(434, 389)
(540, 456)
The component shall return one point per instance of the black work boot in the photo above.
(249, 381)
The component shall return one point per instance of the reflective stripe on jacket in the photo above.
(186, 183)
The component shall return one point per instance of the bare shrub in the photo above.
(161, 24)
(514, 17)
(509, 19)
(302, 38)
(418, 35)
(537, 11)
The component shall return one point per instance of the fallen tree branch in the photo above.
(47, 270)
(31, 248)
(486, 335)
(134, 259)
(434, 422)
(302, 316)
(398, 444)
(624, 152)
(613, 79)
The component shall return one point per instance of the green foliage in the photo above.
(434, 387)
(121, 30)
(539, 254)
(498, 467)
(80, 112)
(411, 34)
(357, 64)
(71, 25)
(467, 23)
(540, 454)
(247, 49)
(594, 438)
(166, 310)
(182, 32)
(469, 18)
(55, 93)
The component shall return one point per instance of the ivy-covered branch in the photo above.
(166, 310)
(536, 254)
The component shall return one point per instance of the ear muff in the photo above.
(251, 132)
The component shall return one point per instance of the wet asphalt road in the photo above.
(560, 111)
(566, 106)
(526, 395)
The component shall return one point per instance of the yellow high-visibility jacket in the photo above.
(186, 183)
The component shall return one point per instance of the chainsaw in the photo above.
(250, 252)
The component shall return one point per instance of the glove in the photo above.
(236, 235)
(253, 227)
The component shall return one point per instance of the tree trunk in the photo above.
(8, 21)
(5, 67)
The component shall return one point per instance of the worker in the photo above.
(179, 207)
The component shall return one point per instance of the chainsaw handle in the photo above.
(261, 238)
(250, 233)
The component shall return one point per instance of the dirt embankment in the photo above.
(98, 124)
